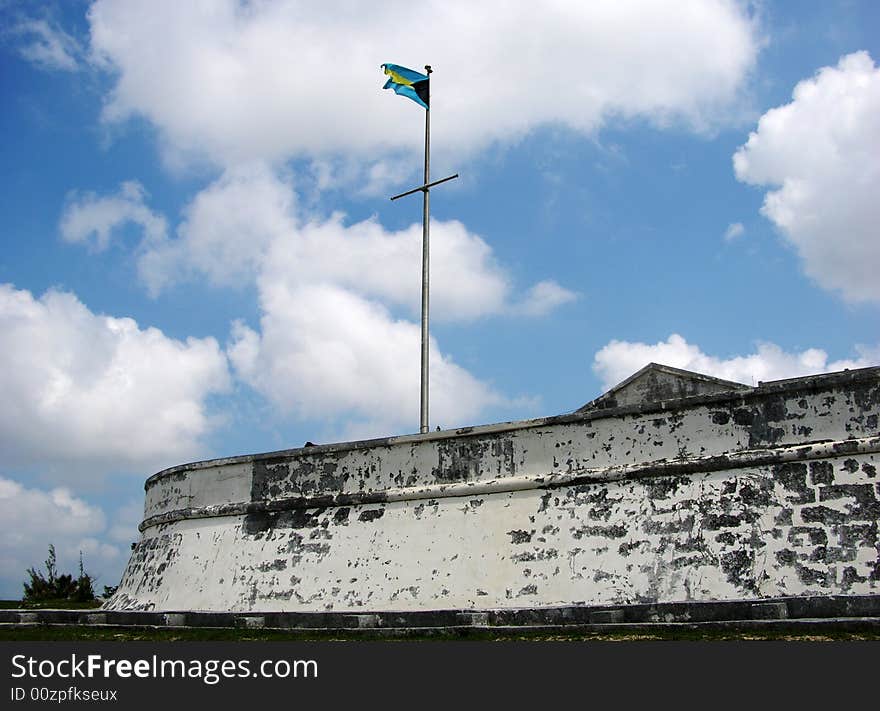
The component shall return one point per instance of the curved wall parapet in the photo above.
(707, 497)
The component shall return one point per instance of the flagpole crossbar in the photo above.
(422, 188)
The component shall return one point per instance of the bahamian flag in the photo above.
(406, 82)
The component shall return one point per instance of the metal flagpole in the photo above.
(426, 253)
(426, 259)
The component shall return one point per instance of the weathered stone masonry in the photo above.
(724, 492)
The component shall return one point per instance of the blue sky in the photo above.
(199, 257)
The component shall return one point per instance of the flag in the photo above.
(406, 82)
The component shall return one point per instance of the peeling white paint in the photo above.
(747, 494)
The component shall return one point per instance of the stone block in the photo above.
(769, 611)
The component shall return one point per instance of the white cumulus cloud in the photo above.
(92, 219)
(329, 291)
(819, 154)
(248, 226)
(617, 360)
(47, 45)
(236, 81)
(364, 257)
(84, 393)
(543, 297)
(733, 231)
(31, 519)
(324, 350)
(123, 529)
(227, 230)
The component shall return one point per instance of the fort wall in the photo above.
(751, 493)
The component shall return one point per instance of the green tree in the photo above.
(53, 586)
(85, 590)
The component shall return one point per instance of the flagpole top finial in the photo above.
(428, 68)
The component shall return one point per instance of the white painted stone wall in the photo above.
(748, 495)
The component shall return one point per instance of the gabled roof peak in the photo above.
(657, 382)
